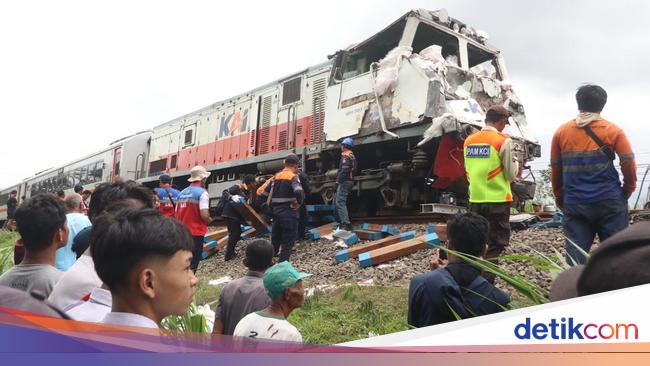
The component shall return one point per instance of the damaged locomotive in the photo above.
(409, 96)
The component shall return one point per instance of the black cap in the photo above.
(165, 178)
(292, 159)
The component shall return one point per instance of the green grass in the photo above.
(344, 314)
(204, 293)
(7, 242)
(351, 312)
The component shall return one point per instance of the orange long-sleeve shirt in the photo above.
(581, 173)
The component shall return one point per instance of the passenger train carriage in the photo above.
(125, 158)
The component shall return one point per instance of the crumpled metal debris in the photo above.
(439, 126)
(389, 69)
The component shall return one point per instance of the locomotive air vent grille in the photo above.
(264, 141)
(253, 135)
(318, 112)
(282, 141)
(266, 111)
(299, 130)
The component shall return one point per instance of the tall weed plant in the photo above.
(7, 243)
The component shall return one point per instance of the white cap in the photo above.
(198, 173)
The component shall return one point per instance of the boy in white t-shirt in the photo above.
(283, 284)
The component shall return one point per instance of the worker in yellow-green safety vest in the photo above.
(491, 167)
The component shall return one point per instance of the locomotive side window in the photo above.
(98, 171)
(291, 91)
(158, 166)
(188, 137)
(357, 60)
(172, 163)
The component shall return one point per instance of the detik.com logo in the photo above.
(568, 328)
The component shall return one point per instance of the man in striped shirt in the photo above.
(585, 181)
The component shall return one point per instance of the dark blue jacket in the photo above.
(432, 296)
(229, 207)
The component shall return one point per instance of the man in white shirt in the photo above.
(144, 259)
(94, 309)
(283, 284)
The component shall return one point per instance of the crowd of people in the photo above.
(126, 255)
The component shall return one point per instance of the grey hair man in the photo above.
(77, 221)
(73, 203)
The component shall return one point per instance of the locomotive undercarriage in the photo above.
(391, 176)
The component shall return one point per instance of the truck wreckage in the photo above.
(409, 96)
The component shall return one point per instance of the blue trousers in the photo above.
(583, 221)
(341, 202)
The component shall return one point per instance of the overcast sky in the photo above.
(76, 75)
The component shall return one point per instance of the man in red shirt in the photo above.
(167, 195)
(192, 209)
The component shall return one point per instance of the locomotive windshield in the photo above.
(356, 60)
(427, 35)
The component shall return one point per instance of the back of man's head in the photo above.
(259, 255)
(73, 202)
(120, 240)
(591, 98)
(468, 233)
(248, 179)
(38, 220)
(78, 189)
(108, 193)
(292, 160)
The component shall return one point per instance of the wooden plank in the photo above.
(440, 229)
(210, 245)
(319, 232)
(353, 252)
(349, 238)
(397, 250)
(215, 235)
(319, 219)
(211, 248)
(222, 243)
(320, 208)
(251, 232)
(382, 228)
(252, 217)
(369, 235)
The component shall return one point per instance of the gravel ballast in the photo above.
(317, 257)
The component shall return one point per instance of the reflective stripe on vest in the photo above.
(487, 182)
(282, 190)
(188, 212)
